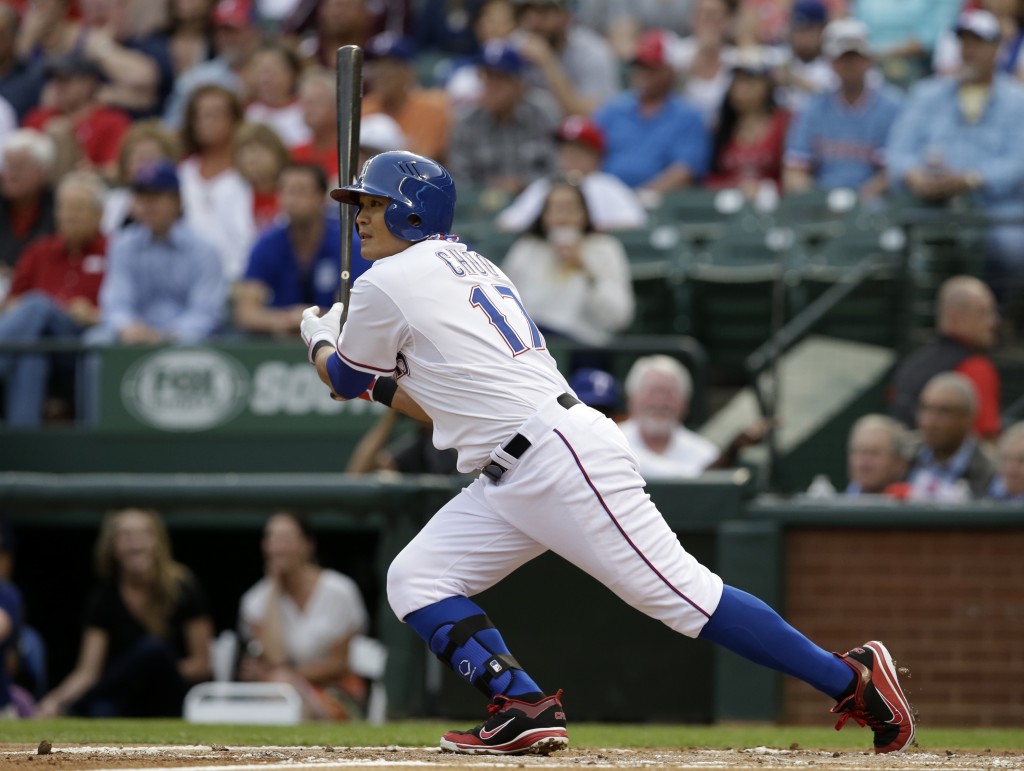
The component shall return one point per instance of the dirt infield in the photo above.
(219, 758)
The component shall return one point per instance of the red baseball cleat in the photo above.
(877, 700)
(514, 728)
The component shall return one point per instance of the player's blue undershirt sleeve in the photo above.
(346, 381)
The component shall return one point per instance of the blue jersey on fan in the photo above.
(273, 262)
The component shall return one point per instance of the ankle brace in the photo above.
(464, 639)
(467, 646)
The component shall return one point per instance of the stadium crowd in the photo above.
(164, 166)
(206, 128)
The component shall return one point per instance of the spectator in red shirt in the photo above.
(53, 294)
(318, 99)
(26, 200)
(967, 324)
(751, 133)
(85, 130)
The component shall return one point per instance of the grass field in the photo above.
(424, 733)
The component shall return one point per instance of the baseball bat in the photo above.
(349, 62)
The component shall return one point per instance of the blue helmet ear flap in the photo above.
(421, 191)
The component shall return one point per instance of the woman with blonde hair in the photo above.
(147, 629)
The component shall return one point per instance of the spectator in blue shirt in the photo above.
(962, 137)
(839, 138)
(294, 264)
(655, 141)
(163, 282)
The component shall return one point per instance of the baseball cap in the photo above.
(807, 13)
(380, 133)
(577, 128)
(69, 65)
(232, 13)
(389, 45)
(156, 177)
(654, 49)
(595, 387)
(502, 56)
(844, 36)
(981, 24)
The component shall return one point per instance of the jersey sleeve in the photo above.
(374, 331)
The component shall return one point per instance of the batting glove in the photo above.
(315, 328)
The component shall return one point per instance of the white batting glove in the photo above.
(315, 328)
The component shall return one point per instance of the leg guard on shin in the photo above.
(469, 648)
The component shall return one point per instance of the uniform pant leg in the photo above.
(465, 548)
(578, 493)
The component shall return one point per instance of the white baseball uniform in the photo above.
(449, 325)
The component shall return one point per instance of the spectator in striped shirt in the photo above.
(839, 139)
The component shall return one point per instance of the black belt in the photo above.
(519, 444)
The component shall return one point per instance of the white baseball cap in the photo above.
(980, 23)
(380, 133)
(844, 36)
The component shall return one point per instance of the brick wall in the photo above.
(948, 604)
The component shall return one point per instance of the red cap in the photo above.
(232, 13)
(577, 128)
(652, 49)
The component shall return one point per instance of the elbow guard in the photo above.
(348, 383)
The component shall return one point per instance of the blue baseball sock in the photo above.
(461, 635)
(749, 628)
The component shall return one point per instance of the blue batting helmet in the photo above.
(421, 191)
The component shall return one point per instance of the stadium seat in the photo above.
(731, 293)
(657, 260)
(368, 658)
(873, 312)
(490, 242)
(248, 703)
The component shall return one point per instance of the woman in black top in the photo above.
(147, 629)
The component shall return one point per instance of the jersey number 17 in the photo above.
(481, 298)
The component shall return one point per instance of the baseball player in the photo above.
(438, 332)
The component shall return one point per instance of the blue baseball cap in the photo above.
(157, 178)
(502, 56)
(807, 13)
(388, 45)
(595, 387)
